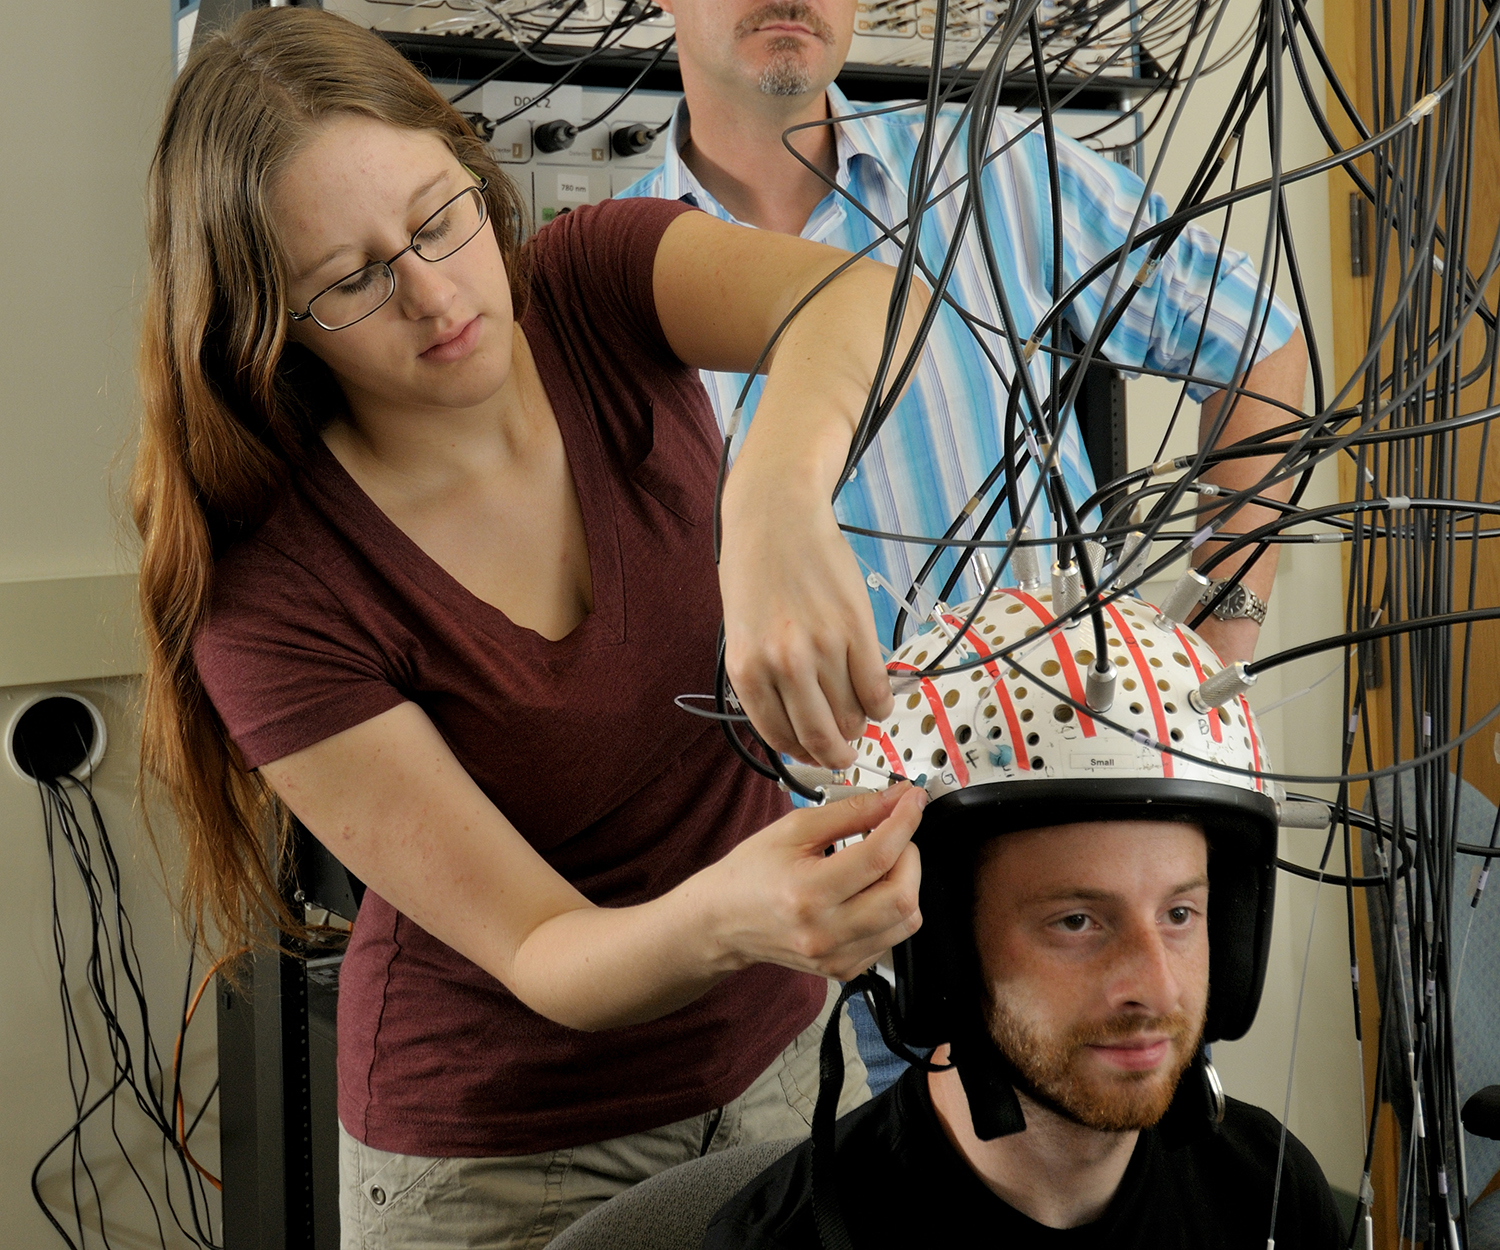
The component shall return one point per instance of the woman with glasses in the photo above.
(427, 521)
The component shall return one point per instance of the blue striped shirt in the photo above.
(946, 434)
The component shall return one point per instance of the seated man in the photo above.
(1095, 910)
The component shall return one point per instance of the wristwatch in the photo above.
(1239, 602)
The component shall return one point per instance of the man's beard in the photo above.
(786, 74)
(1052, 1072)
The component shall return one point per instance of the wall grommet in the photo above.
(55, 733)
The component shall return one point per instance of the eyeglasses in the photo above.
(356, 295)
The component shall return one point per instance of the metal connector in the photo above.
(1097, 556)
(1303, 814)
(833, 782)
(1024, 562)
(1067, 590)
(1099, 688)
(1181, 600)
(1228, 683)
(1135, 557)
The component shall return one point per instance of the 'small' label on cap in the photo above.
(1097, 760)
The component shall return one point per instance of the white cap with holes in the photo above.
(1015, 720)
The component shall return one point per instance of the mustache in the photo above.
(1124, 1028)
(785, 11)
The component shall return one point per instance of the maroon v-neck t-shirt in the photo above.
(331, 615)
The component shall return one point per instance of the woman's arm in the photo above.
(801, 646)
(1280, 376)
(391, 802)
(802, 651)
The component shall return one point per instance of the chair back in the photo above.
(671, 1211)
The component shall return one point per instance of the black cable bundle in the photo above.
(134, 1080)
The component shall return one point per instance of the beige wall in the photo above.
(81, 92)
(1326, 1110)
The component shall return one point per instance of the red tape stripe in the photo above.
(1144, 670)
(940, 715)
(1213, 713)
(1002, 696)
(1065, 658)
(892, 756)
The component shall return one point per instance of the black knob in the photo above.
(554, 136)
(634, 139)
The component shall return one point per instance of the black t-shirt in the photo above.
(902, 1183)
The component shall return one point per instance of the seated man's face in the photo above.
(1093, 945)
(785, 47)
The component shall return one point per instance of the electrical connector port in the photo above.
(554, 136)
(633, 140)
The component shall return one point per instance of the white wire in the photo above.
(1306, 690)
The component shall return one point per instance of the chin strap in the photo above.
(1197, 1108)
(828, 1212)
(989, 1081)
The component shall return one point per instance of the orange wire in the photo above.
(187, 1019)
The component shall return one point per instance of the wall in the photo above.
(1324, 1098)
(81, 93)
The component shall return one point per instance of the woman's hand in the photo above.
(801, 648)
(780, 898)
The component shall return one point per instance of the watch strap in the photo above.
(1240, 603)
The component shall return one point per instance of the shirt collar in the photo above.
(857, 139)
(678, 182)
(862, 136)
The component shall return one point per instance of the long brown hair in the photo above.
(230, 407)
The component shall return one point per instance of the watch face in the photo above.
(1233, 604)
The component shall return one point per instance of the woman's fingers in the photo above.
(817, 828)
(864, 898)
(817, 717)
(861, 865)
(870, 683)
(761, 701)
(869, 952)
(798, 692)
(782, 899)
(871, 923)
(885, 913)
(800, 637)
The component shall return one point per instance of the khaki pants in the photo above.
(520, 1202)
